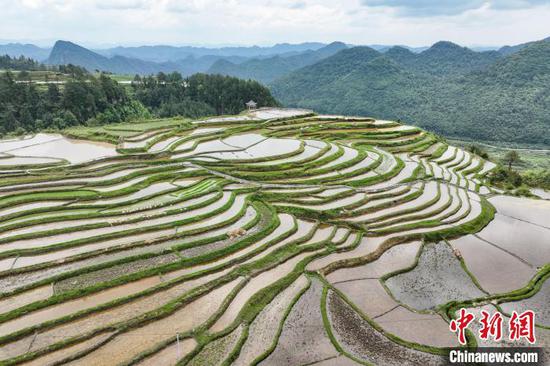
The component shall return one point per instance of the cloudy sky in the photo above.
(266, 22)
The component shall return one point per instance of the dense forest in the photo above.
(20, 63)
(198, 95)
(483, 97)
(96, 100)
(26, 107)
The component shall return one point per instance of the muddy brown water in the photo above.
(537, 303)
(333, 204)
(170, 355)
(303, 339)
(542, 334)
(304, 229)
(365, 247)
(57, 357)
(25, 298)
(368, 295)
(128, 345)
(359, 338)
(256, 284)
(496, 270)
(216, 352)
(29, 260)
(428, 329)
(527, 241)
(103, 318)
(393, 259)
(530, 210)
(264, 328)
(437, 279)
(71, 307)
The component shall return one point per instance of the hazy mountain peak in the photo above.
(446, 45)
(399, 51)
(26, 49)
(446, 48)
(336, 44)
(66, 44)
(361, 51)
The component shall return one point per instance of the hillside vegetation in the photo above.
(447, 89)
(96, 100)
(198, 95)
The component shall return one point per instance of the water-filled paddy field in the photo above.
(278, 237)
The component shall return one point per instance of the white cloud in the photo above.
(421, 22)
(431, 8)
(121, 4)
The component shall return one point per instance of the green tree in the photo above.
(511, 158)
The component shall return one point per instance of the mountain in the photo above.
(504, 101)
(191, 64)
(27, 50)
(268, 69)
(65, 52)
(384, 48)
(443, 59)
(527, 66)
(172, 53)
(508, 50)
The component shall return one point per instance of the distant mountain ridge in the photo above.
(268, 69)
(162, 53)
(265, 64)
(65, 52)
(508, 50)
(27, 50)
(443, 58)
(486, 96)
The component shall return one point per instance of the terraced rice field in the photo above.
(275, 238)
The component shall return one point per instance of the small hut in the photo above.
(251, 105)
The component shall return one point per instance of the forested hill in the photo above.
(443, 59)
(198, 95)
(485, 96)
(19, 63)
(96, 100)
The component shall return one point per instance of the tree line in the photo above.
(87, 99)
(27, 107)
(198, 95)
(20, 63)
